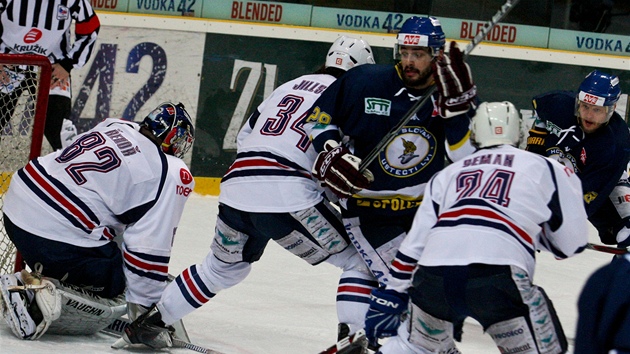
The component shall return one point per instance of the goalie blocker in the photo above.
(32, 306)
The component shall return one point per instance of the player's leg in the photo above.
(227, 264)
(377, 243)
(515, 313)
(322, 235)
(96, 269)
(59, 108)
(353, 293)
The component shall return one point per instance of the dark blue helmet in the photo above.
(171, 123)
(421, 32)
(600, 89)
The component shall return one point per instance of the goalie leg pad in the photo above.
(31, 304)
(14, 307)
(82, 312)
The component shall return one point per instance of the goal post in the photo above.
(24, 89)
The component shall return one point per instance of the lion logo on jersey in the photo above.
(408, 153)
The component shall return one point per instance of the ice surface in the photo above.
(288, 306)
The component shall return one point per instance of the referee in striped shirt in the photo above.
(43, 27)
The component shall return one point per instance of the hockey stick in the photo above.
(607, 249)
(177, 343)
(481, 35)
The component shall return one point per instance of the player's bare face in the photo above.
(416, 66)
(591, 117)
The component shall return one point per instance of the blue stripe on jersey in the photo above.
(134, 214)
(489, 224)
(146, 265)
(286, 167)
(554, 204)
(43, 195)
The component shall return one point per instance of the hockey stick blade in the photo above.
(607, 249)
(354, 344)
(481, 35)
(177, 343)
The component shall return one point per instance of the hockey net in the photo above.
(24, 87)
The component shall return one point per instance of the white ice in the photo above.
(288, 306)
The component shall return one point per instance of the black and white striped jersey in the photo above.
(43, 27)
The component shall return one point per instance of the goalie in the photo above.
(121, 179)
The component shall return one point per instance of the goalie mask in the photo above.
(171, 123)
(599, 89)
(496, 123)
(347, 52)
(420, 32)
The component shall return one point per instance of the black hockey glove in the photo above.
(536, 141)
(338, 169)
(149, 330)
(454, 81)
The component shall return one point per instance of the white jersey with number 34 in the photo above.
(272, 169)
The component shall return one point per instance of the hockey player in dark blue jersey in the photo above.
(583, 131)
(358, 110)
(603, 317)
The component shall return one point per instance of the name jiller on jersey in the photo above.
(32, 49)
(310, 86)
(494, 159)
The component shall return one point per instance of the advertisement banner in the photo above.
(599, 43)
(359, 20)
(259, 11)
(167, 7)
(131, 71)
(503, 33)
(110, 5)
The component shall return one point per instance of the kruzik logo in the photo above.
(32, 36)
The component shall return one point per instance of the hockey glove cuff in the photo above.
(536, 141)
(385, 314)
(338, 169)
(456, 90)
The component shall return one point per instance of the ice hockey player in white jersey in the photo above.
(120, 182)
(471, 249)
(268, 193)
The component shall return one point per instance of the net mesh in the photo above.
(24, 84)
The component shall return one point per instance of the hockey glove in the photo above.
(536, 141)
(456, 89)
(339, 170)
(149, 330)
(384, 315)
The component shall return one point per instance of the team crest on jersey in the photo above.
(409, 153)
(563, 157)
(63, 13)
(379, 106)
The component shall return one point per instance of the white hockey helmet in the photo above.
(347, 52)
(496, 123)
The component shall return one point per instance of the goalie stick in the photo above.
(117, 328)
(481, 35)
